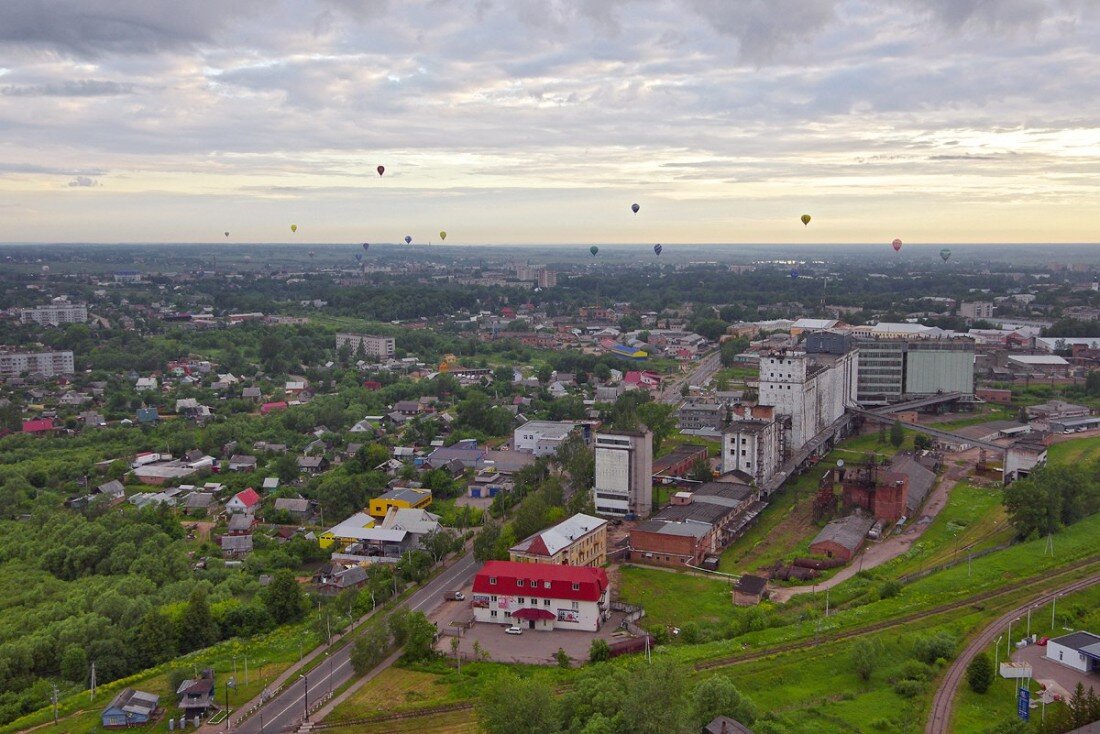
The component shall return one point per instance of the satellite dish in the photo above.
(840, 463)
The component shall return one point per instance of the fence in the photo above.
(950, 564)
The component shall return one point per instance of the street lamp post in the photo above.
(305, 681)
(997, 654)
(231, 683)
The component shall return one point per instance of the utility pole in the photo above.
(91, 683)
(54, 703)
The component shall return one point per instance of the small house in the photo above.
(130, 708)
(234, 546)
(196, 695)
(749, 590)
(244, 501)
(1077, 650)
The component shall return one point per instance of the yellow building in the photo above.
(579, 541)
(403, 498)
(348, 531)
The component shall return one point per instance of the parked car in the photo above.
(514, 630)
(455, 596)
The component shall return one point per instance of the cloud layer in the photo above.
(535, 121)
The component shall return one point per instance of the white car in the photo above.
(514, 630)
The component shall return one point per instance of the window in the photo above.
(493, 613)
(519, 582)
(546, 602)
(520, 600)
(493, 597)
(576, 586)
(576, 606)
(492, 580)
(507, 614)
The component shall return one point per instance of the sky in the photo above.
(542, 121)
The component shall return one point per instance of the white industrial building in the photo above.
(55, 314)
(380, 347)
(46, 364)
(542, 438)
(813, 391)
(624, 473)
(1077, 650)
(751, 443)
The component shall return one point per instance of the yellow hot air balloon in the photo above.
(294, 228)
(442, 235)
(806, 218)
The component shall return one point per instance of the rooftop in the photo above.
(552, 540)
(848, 532)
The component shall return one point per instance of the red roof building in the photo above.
(541, 596)
(245, 501)
(269, 407)
(38, 425)
(372, 385)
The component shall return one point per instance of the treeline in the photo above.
(1053, 497)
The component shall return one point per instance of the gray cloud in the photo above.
(83, 181)
(74, 88)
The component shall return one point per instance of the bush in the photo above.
(928, 649)
(914, 670)
(979, 674)
(599, 651)
(865, 657)
(908, 688)
(889, 589)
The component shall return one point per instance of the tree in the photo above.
(440, 543)
(485, 542)
(599, 651)
(659, 418)
(544, 373)
(156, 638)
(74, 663)
(419, 637)
(865, 657)
(513, 704)
(930, 648)
(896, 434)
(564, 661)
(718, 696)
(370, 648)
(700, 470)
(979, 674)
(731, 348)
(284, 598)
(197, 626)
(1092, 382)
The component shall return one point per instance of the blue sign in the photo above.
(1023, 703)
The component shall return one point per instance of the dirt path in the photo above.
(877, 554)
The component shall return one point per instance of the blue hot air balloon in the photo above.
(408, 239)
(657, 249)
(794, 274)
(358, 257)
(366, 246)
(634, 208)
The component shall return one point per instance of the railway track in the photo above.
(896, 621)
(944, 699)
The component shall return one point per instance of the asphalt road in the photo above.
(702, 372)
(940, 719)
(287, 708)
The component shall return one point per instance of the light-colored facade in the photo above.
(881, 377)
(542, 438)
(380, 347)
(752, 446)
(939, 366)
(541, 596)
(813, 391)
(55, 314)
(46, 364)
(976, 309)
(579, 541)
(624, 473)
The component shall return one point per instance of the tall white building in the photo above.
(542, 438)
(624, 473)
(55, 314)
(47, 364)
(812, 391)
(381, 347)
(751, 443)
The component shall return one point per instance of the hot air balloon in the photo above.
(294, 228)
(226, 234)
(806, 218)
(358, 257)
(945, 254)
(408, 239)
(366, 246)
(657, 249)
(593, 249)
(634, 208)
(794, 274)
(896, 244)
(312, 253)
(442, 235)
(381, 170)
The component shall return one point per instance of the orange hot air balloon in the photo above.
(896, 244)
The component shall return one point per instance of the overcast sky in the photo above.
(543, 120)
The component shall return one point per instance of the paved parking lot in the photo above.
(1063, 676)
(532, 647)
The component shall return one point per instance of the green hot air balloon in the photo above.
(593, 249)
(294, 228)
(806, 218)
(442, 235)
(945, 254)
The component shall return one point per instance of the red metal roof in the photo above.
(248, 497)
(38, 425)
(268, 407)
(530, 579)
(532, 613)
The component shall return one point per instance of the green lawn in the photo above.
(1080, 451)
(673, 598)
(985, 415)
(972, 520)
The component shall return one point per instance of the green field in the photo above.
(1081, 451)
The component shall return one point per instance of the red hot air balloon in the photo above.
(896, 244)
(381, 170)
